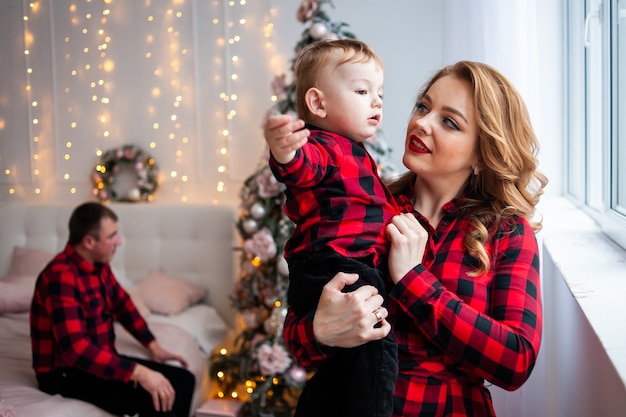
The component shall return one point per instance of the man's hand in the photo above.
(284, 136)
(157, 385)
(347, 319)
(161, 355)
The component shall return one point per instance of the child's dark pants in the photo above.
(356, 382)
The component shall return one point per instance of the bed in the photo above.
(176, 262)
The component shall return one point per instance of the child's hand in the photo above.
(284, 136)
(408, 243)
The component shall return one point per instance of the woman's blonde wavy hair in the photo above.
(508, 184)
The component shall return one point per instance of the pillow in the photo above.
(165, 294)
(200, 320)
(26, 261)
(18, 285)
(138, 301)
(16, 293)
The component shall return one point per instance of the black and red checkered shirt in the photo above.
(454, 331)
(72, 314)
(336, 198)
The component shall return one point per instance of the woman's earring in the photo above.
(476, 170)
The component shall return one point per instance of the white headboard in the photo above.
(194, 242)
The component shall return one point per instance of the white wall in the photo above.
(163, 69)
(581, 380)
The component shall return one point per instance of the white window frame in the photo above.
(593, 123)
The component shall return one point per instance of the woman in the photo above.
(465, 302)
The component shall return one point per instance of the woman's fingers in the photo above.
(347, 319)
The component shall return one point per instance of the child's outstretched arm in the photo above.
(284, 136)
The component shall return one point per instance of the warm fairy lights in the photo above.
(81, 119)
(33, 111)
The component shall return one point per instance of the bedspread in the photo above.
(18, 386)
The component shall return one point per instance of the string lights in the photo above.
(90, 105)
(33, 107)
(229, 63)
(91, 68)
(227, 18)
(172, 88)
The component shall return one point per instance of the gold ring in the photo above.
(378, 316)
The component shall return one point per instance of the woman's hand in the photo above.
(408, 242)
(347, 319)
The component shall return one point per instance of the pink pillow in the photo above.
(138, 301)
(18, 285)
(16, 293)
(29, 261)
(165, 294)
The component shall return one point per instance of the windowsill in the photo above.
(594, 269)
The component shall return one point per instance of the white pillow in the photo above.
(18, 285)
(28, 260)
(138, 301)
(16, 293)
(166, 294)
(200, 320)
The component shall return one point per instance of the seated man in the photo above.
(75, 303)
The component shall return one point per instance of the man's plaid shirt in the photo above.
(72, 316)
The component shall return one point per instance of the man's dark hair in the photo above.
(85, 220)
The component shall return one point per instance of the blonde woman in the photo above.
(464, 302)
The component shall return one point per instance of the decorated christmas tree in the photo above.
(258, 369)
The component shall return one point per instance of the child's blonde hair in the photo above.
(317, 55)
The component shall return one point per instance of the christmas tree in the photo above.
(259, 369)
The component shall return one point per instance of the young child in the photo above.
(340, 207)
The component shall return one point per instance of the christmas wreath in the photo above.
(139, 169)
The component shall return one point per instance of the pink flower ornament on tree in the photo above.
(261, 244)
(273, 359)
(268, 185)
(307, 10)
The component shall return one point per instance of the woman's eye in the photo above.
(451, 123)
(362, 92)
(420, 108)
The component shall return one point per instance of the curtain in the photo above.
(501, 33)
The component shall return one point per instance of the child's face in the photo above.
(352, 94)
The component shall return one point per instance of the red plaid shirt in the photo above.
(72, 315)
(336, 198)
(453, 330)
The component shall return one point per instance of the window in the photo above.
(618, 92)
(596, 59)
